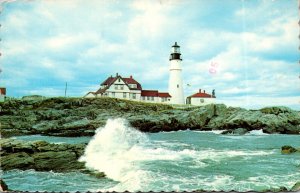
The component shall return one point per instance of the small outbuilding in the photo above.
(201, 98)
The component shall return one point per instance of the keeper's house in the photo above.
(128, 88)
(201, 98)
(2, 94)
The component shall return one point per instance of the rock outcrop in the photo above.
(289, 149)
(81, 117)
(40, 155)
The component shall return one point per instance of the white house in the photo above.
(2, 94)
(201, 98)
(128, 88)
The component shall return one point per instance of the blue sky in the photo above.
(247, 50)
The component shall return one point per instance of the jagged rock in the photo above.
(3, 185)
(40, 155)
(56, 161)
(238, 131)
(19, 160)
(81, 117)
(288, 149)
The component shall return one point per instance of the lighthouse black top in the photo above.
(175, 53)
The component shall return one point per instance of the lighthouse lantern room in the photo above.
(175, 79)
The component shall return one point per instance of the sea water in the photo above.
(171, 161)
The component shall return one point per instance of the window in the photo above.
(133, 95)
(132, 85)
(152, 98)
(148, 98)
(122, 87)
(143, 98)
(202, 100)
(113, 94)
(116, 87)
(177, 85)
(119, 80)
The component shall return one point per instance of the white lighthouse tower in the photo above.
(175, 80)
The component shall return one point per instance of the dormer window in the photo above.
(132, 85)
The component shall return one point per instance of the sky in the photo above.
(247, 50)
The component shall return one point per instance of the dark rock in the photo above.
(40, 155)
(288, 149)
(238, 131)
(82, 116)
(19, 160)
(56, 161)
(3, 185)
(93, 173)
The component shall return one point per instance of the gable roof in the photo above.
(201, 95)
(110, 80)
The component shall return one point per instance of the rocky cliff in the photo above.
(81, 116)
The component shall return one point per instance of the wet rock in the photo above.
(3, 185)
(56, 161)
(93, 173)
(19, 160)
(40, 155)
(288, 149)
(238, 131)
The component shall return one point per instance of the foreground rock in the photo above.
(289, 149)
(81, 117)
(3, 186)
(40, 155)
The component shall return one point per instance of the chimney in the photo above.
(130, 76)
(203, 91)
(117, 75)
(199, 90)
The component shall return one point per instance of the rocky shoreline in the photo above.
(40, 155)
(82, 116)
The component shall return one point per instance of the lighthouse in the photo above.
(175, 80)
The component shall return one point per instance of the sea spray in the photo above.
(114, 150)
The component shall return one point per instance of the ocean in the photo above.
(170, 161)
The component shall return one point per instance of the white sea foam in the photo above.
(120, 151)
(114, 150)
(212, 131)
(257, 132)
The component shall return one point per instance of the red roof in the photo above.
(110, 80)
(164, 94)
(201, 95)
(130, 81)
(2, 91)
(153, 93)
